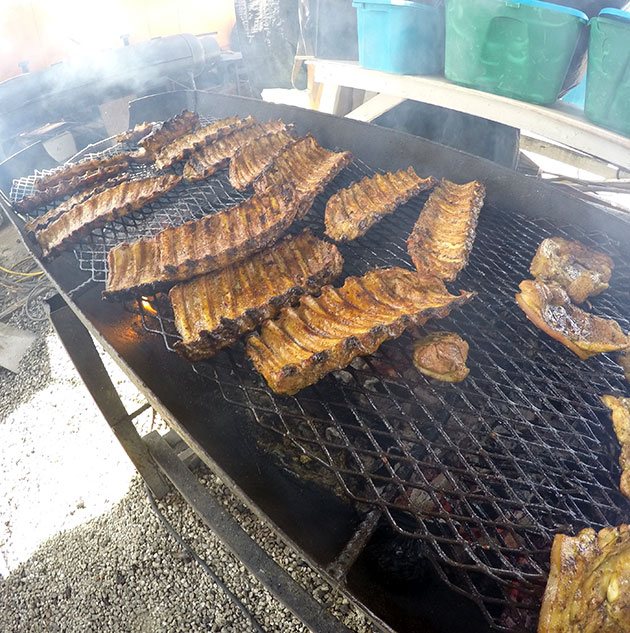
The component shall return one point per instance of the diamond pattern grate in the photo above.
(484, 472)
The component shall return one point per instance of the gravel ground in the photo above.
(82, 550)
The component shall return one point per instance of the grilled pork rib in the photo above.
(184, 146)
(101, 208)
(137, 132)
(252, 159)
(42, 221)
(351, 212)
(587, 590)
(80, 169)
(214, 310)
(306, 167)
(581, 271)
(549, 308)
(326, 333)
(180, 253)
(41, 198)
(168, 131)
(207, 160)
(443, 236)
(442, 355)
(620, 414)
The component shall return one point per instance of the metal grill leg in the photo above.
(80, 347)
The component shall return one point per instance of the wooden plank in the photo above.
(374, 107)
(561, 123)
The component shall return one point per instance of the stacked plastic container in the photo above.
(400, 36)
(518, 48)
(608, 79)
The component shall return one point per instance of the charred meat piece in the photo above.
(42, 221)
(306, 167)
(588, 590)
(620, 413)
(80, 169)
(443, 236)
(581, 271)
(351, 212)
(549, 308)
(326, 333)
(207, 160)
(168, 131)
(180, 253)
(137, 132)
(214, 310)
(252, 159)
(184, 146)
(442, 356)
(41, 198)
(104, 207)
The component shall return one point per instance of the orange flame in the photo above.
(147, 307)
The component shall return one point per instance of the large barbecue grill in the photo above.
(434, 505)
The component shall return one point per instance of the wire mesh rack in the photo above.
(484, 472)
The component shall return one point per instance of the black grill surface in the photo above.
(482, 473)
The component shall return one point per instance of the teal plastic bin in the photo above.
(608, 78)
(399, 36)
(520, 49)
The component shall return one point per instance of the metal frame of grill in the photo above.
(482, 473)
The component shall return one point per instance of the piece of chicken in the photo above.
(588, 590)
(548, 306)
(581, 271)
(442, 355)
(620, 414)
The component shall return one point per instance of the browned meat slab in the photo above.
(548, 307)
(581, 271)
(443, 236)
(168, 131)
(209, 159)
(80, 169)
(620, 413)
(588, 590)
(183, 252)
(184, 146)
(326, 333)
(136, 133)
(41, 198)
(442, 356)
(305, 166)
(252, 159)
(351, 212)
(101, 208)
(214, 310)
(42, 221)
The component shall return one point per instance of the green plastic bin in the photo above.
(608, 78)
(520, 49)
(400, 36)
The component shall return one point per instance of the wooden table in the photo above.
(560, 131)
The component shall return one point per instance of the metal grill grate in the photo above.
(483, 472)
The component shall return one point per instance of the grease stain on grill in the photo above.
(472, 480)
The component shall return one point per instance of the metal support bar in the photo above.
(80, 347)
(339, 568)
(256, 560)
